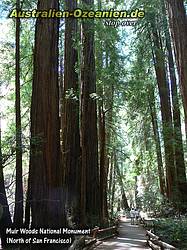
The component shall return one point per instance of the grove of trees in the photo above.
(93, 117)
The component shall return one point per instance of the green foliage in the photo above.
(151, 200)
(173, 231)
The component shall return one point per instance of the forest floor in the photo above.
(132, 237)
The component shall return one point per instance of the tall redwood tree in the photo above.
(165, 105)
(45, 167)
(89, 138)
(70, 119)
(178, 25)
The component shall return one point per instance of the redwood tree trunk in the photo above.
(166, 117)
(178, 25)
(18, 211)
(124, 203)
(110, 181)
(90, 200)
(46, 171)
(103, 165)
(28, 202)
(70, 118)
(154, 122)
(113, 186)
(178, 143)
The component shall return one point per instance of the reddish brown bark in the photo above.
(45, 167)
(178, 142)
(113, 185)
(111, 164)
(90, 201)
(70, 118)
(178, 25)
(166, 116)
(103, 165)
